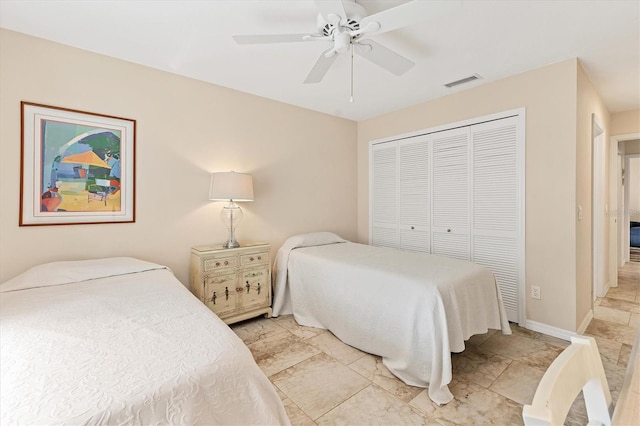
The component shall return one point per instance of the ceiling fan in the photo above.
(345, 24)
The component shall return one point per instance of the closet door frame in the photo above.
(520, 113)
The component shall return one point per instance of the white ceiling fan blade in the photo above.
(274, 38)
(321, 67)
(330, 9)
(411, 13)
(383, 57)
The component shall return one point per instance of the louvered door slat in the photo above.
(451, 245)
(450, 199)
(495, 177)
(384, 195)
(451, 179)
(500, 256)
(495, 206)
(414, 197)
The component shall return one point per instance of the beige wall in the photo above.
(625, 123)
(185, 130)
(549, 96)
(631, 147)
(588, 104)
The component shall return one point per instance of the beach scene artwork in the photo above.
(80, 168)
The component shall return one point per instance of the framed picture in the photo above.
(76, 167)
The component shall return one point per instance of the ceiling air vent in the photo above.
(463, 81)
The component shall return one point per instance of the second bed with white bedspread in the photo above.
(412, 309)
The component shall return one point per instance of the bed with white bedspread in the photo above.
(413, 309)
(121, 341)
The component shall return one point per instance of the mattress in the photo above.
(122, 341)
(410, 308)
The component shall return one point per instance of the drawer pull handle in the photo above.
(259, 257)
(413, 227)
(251, 259)
(226, 293)
(258, 288)
(226, 262)
(217, 263)
(448, 230)
(248, 286)
(214, 297)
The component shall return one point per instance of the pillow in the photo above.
(316, 239)
(66, 272)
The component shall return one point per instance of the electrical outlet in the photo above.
(535, 292)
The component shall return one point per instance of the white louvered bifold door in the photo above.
(450, 193)
(495, 221)
(384, 195)
(414, 197)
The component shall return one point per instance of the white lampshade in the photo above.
(234, 186)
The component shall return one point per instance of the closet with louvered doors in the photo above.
(458, 193)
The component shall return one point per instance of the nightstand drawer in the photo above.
(215, 263)
(261, 258)
(229, 280)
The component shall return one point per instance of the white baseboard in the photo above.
(585, 322)
(550, 330)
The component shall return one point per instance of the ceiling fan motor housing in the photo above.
(354, 13)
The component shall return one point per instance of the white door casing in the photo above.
(598, 209)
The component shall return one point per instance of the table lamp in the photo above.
(232, 187)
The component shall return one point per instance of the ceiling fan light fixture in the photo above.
(345, 23)
(469, 79)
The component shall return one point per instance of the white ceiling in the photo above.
(494, 39)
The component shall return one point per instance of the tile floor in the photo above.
(322, 381)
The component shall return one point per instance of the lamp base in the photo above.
(231, 244)
(231, 216)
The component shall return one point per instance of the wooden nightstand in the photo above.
(234, 283)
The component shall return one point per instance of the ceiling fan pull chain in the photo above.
(351, 98)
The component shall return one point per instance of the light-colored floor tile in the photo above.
(609, 350)
(553, 340)
(478, 366)
(615, 379)
(334, 347)
(518, 382)
(372, 368)
(623, 359)
(297, 417)
(612, 331)
(250, 331)
(472, 405)
(516, 330)
(288, 322)
(373, 406)
(478, 339)
(612, 315)
(620, 305)
(634, 321)
(319, 384)
(622, 293)
(281, 351)
(530, 351)
(577, 415)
